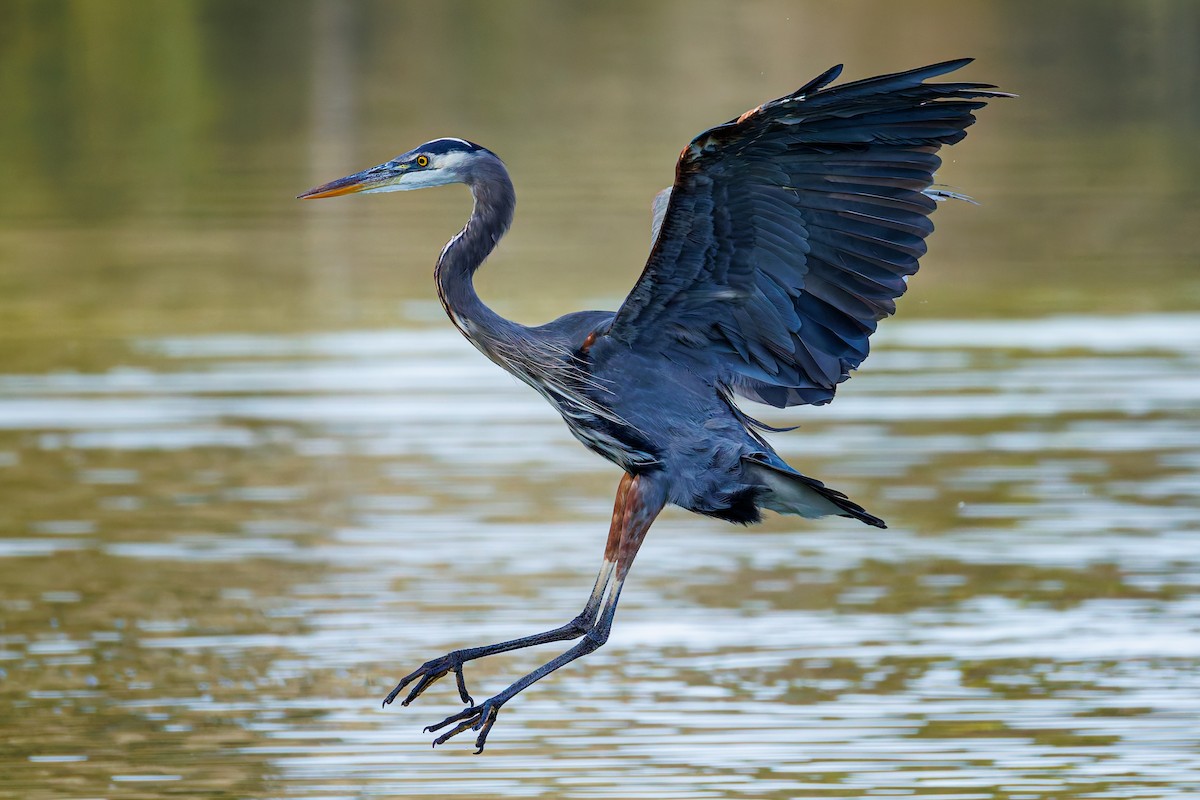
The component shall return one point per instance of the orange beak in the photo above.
(358, 182)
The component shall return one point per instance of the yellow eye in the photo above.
(422, 161)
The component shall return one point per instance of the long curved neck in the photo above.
(462, 255)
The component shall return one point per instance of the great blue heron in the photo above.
(788, 234)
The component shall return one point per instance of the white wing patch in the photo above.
(658, 210)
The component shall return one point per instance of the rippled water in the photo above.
(269, 530)
(250, 476)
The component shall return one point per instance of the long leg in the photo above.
(643, 499)
(437, 668)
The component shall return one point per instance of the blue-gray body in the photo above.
(663, 420)
(788, 234)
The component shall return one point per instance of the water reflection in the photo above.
(266, 530)
(249, 476)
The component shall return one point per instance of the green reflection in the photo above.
(901, 587)
(150, 154)
(87, 681)
(992, 729)
(157, 151)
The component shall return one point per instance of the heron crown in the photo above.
(448, 145)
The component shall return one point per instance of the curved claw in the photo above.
(429, 673)
(477, 718)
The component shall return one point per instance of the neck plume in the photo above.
(462, 256)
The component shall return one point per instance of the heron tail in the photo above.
(789, 492)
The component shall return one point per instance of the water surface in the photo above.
(249, 476)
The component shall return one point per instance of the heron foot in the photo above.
(428, 673)
(479, 718)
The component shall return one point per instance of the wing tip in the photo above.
(820, 82)
(950, 65)
(914, 76)
(833, 73)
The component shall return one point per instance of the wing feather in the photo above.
(790, 232)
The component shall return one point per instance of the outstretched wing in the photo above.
(790, 232)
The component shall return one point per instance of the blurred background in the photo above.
(250, 476)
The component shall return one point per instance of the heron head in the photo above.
(435, 163)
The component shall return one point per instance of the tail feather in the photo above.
(789, 492)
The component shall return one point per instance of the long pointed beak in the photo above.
(372, 178)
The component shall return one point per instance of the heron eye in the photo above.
(422, 161)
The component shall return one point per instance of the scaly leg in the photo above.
(437, 668)
(642, 501)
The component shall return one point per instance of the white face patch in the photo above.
(451, 161)
(442, 170)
